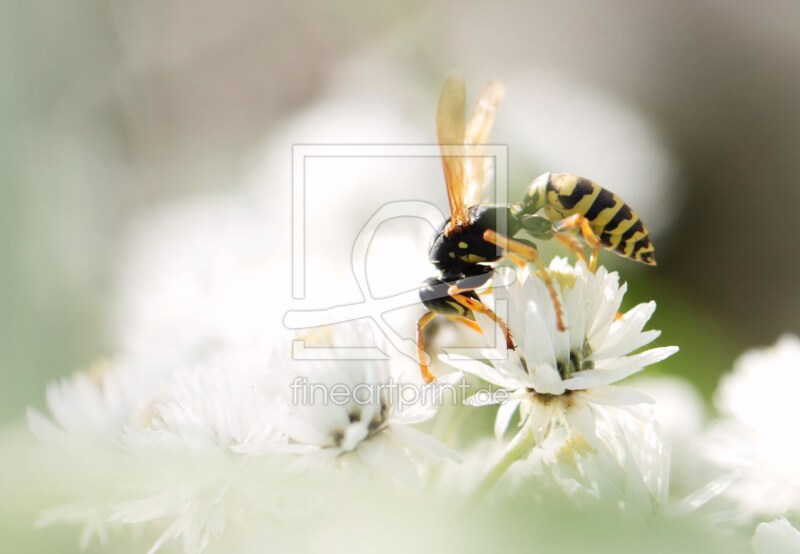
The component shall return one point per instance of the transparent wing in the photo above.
(450, 128)
(479, 168)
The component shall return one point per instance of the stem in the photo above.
(522, 443)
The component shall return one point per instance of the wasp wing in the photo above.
(478, 166)
(450, 127)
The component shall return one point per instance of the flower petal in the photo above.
(618, 369)
(504, 414)
(487, 372)
(540, 418)
(776, 537)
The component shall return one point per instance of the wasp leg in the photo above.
(422, 357)
(481, 308)
(468, 322)
(580, 221)
(572, 244)
(594, 258)
(529, 253)
(487, 290)
(517, 260)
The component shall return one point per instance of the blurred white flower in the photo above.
(88, 414)
(681, 414)
(776, 537)
(214, 274)
(351, 413)
(199, 277)
(140, 447)
(678, 406)
(93, 406)
(626, 469)
(758, 435)
(559, 377)
(225, 441)
(226, 402)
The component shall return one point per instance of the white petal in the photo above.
(703, 495)
(547, 380)
(626, 335)
(618, 369)
(423, 444)
(540, 417)
(776, 537)
(629, 344)
(580, 419)
(539, 325)
(492, 374)
(504, 415)
(604, 309)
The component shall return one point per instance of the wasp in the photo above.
(467, 246)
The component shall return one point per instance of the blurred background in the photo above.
(114, 113)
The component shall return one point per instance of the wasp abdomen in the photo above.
(616, 224)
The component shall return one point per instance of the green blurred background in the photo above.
(109, 109)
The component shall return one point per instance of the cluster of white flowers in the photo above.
(255, 445)
(228, 438)
(194, 448)
(212, 430)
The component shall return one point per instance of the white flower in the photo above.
(140, 447)
(758, 435)
(353, 413)
(776, 537)
(626, 469)
(192, 451)
(559, 376)
(681, 415)
(226, 402)
(93, 406)
(88, 413)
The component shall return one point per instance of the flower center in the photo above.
(576, 362)
(359, 430)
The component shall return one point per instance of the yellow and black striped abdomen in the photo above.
(619, 228)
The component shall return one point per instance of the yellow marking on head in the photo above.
(462, 244)
(473, 258)
(451, 254)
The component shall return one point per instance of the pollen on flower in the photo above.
(565, 277)
(575, 445)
